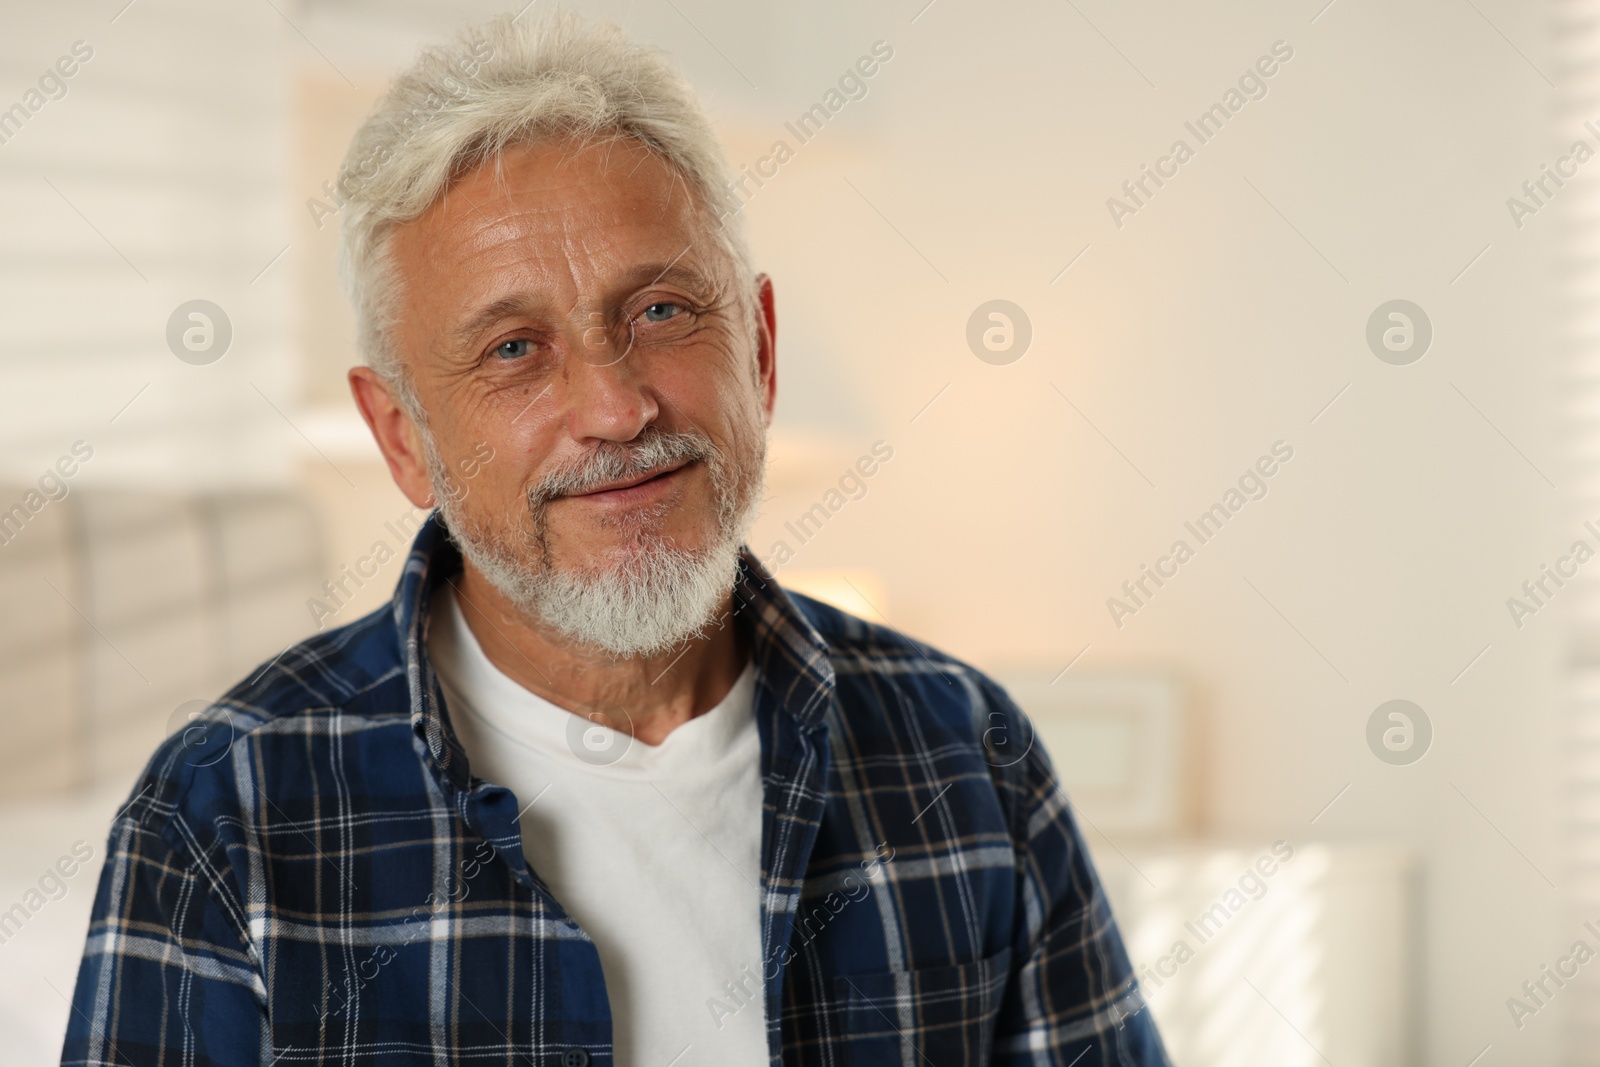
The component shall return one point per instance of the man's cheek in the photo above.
(495, 500)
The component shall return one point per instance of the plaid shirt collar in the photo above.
(795, 692)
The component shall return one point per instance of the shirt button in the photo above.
(574, 1057)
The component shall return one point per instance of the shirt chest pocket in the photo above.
(938, 1016)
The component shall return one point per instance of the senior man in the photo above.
(594, 789)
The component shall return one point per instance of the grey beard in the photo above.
(663, 595)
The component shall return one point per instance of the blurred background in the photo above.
(1341, 346)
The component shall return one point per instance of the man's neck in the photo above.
(656, 693)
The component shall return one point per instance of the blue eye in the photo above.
(661, 312)
(513, 349)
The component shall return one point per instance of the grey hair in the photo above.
(502, 84)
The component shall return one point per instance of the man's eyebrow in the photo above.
(491, 313)
(673, 273)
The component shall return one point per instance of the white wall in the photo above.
(157, 179)
(1193, 338)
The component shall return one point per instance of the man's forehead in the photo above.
(563, 188)
(558, 213)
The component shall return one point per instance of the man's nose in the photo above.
(607, 398)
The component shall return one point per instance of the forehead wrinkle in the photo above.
(508, 253)
(607, 211)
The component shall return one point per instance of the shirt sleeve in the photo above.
(1073, 999)
(168, 975)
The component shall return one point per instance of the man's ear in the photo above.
(767, 344)
(399, 439)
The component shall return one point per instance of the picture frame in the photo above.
(1117, 741)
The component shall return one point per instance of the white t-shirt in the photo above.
(655, 850)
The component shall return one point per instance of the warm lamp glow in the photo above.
(857, 590)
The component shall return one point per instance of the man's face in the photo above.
(568, 314)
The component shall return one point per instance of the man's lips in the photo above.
(635, 486)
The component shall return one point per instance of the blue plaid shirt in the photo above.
(312, 875)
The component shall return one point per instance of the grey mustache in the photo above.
(611, 462)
